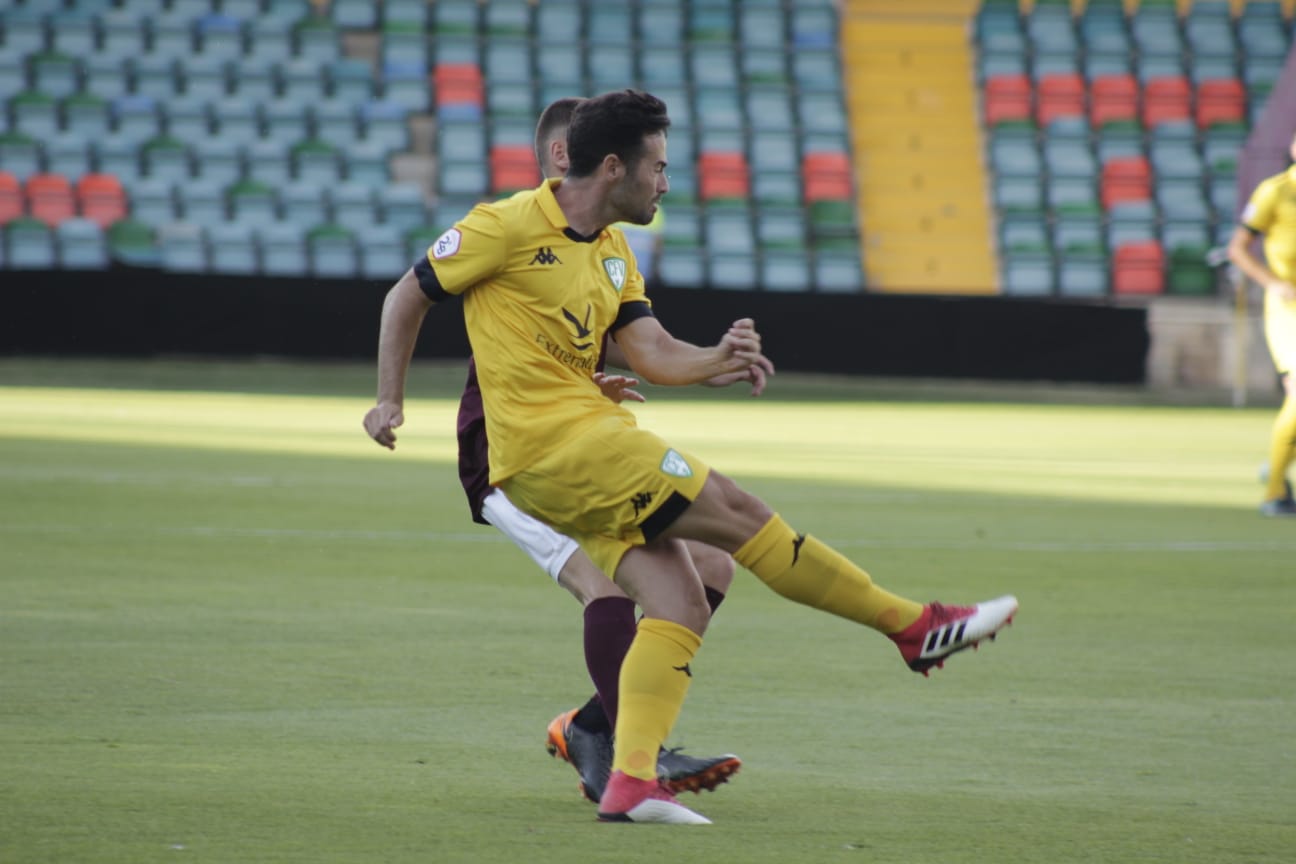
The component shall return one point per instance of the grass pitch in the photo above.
(234, 630)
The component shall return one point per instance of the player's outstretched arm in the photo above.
(402, 316)
(659, 358)
(757, 374)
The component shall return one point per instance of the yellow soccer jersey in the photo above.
(538, 301)
(1272, 212)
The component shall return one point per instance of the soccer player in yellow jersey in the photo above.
(543, 282)
(583, 736)
(1271, 212)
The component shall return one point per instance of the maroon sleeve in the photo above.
(474, 459)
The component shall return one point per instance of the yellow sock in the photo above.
(803, 569)
(655, 677)
(1282, 447)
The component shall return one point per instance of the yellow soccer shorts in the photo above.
(611, 487)
(1280, 332)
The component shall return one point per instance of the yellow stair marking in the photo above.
(915, 132)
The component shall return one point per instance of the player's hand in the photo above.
(618, 387)
(740, 348)
(757, 374)
(380, 422)
(1285, 290)
(742, 341)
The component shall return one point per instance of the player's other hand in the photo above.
(1285, 290)
(741, 349)
(757, 374)
(618, 387)
(380, 422)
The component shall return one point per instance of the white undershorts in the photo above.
(546, 546)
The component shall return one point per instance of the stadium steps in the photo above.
(922, 188)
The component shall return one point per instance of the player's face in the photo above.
(645, 183)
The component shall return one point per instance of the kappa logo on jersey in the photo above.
(675, 465)
(447, 244)
(582, 328)
(616, 271)
(545, 255)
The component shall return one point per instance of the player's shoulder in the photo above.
(1272, 185)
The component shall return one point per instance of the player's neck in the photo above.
(585, 205)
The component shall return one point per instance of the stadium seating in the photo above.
(1138, 268)
(101, 199)
(49, 198)
(81, 244)
(1168, 91)
(29, 245)
(11, 201)
(170, 95)
(182, 247)
(723, 175)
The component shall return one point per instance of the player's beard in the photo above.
(633, 212)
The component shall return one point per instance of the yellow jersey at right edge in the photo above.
(1272, 212)
(538, 300)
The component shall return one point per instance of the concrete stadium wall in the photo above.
(136, 312)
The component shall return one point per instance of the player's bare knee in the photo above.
(715, 567)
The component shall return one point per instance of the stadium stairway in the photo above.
(913, 109)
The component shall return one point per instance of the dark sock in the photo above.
(609, 630)
(592, 718)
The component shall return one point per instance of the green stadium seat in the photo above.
(133, 243)
(1188, 272)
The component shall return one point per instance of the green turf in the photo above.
(234, 630)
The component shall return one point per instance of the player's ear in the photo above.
(613, 167)
(558, 155)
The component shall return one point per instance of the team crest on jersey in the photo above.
(447, 244)
(616, 270)
(675, 465)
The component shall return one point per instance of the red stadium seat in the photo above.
(826, 176)
(1007, 97)
(1166, 99)
(1112, 97)
(457, 83)
(101, 198)
(513, 167)
(49, 198)
(1139, 268)
(1222, 100)
(1127, 178)
(11, 199)
(1061, 95)
(723, 174)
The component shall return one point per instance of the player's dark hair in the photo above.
(557, 116)
(615, 122)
